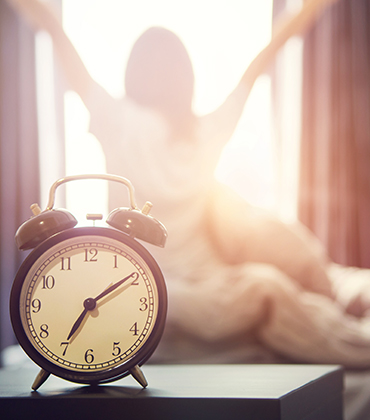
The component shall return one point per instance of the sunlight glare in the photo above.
(221, 37)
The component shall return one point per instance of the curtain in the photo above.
(19, 166)
(334, 196)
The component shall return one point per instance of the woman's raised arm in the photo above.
(286, 27)
(42, 16)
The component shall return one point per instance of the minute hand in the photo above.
(114, 286)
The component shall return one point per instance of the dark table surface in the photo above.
(263, 392)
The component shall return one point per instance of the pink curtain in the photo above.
(19, 166)
(335, 148)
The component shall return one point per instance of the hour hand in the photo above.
(77, 323)
(89, 305)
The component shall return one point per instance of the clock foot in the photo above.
(137, 373)
(40, 379)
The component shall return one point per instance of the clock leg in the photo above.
(137, 373)
(40, 379)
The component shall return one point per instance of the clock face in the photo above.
(88, 304)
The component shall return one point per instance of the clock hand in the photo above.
(114, 286)
(90, 303)
(77, 323)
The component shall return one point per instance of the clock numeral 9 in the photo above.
(36, 305)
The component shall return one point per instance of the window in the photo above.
(221, 37)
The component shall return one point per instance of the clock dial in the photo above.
(89, 304)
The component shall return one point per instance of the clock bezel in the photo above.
(90, 377)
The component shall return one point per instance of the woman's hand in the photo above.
(41, 15)
(287, 26)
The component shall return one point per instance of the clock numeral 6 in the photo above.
(89, 357)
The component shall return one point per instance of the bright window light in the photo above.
(222, 37)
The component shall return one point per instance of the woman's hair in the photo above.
(160, 75)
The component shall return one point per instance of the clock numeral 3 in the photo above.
(144, 305)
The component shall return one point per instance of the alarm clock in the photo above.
(89, 304)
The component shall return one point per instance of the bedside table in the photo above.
(176, 392)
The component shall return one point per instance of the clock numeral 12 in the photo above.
(91, 255)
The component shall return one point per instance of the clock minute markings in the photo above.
(90, 303)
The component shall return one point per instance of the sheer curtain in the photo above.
(334, 196)
(19, 166)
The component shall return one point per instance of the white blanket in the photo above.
(252, 289)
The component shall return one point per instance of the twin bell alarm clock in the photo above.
(89, 304)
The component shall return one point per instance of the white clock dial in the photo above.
(88, 304)
(61, 280)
